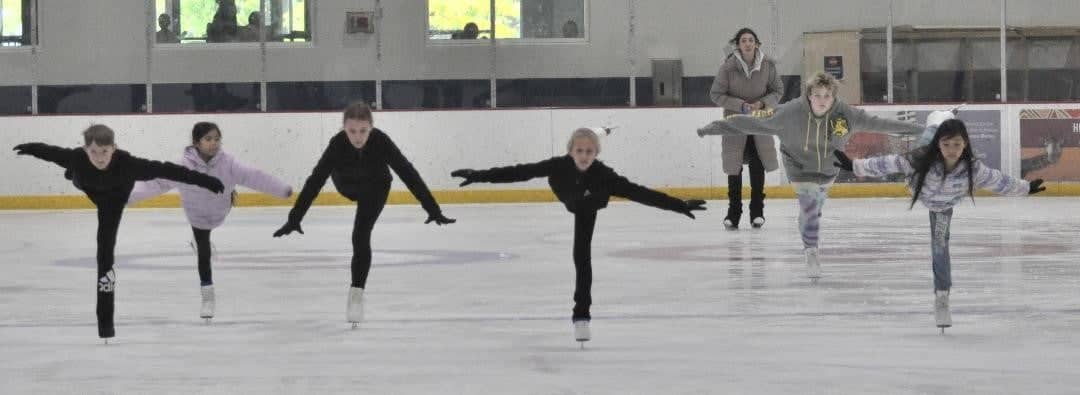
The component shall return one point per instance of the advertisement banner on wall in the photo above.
(1050, 144)
(983, 126)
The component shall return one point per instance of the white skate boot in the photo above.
(581, 332)
(355, 311)
(941, 310)
(813, 267)
(207, 311)
(757, 222)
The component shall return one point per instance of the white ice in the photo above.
(483, 306)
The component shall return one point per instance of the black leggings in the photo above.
(203, 251)
(108, 224)
(584, 223)
(757, 185)
(370, 201)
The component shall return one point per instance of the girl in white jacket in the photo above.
(206, 211)
(940, 175)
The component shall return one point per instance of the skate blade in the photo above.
(206, 320)
(355, 325)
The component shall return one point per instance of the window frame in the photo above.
(174, 6)
(34, 25)
(584, 39)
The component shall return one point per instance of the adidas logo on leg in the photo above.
(107, 283)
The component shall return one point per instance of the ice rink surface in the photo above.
(483, 306)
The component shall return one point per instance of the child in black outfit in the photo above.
(584, 185)
(107, 176)
(359, 159)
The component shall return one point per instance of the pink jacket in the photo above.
(205, 209)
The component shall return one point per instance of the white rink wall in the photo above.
(657, 147)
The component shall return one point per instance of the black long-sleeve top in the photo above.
(576, 189)
(112, 185)
(351, 168)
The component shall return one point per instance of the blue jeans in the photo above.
(939, 247)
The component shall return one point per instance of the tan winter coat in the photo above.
(739, 83)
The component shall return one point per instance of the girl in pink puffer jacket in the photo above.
(206, 211)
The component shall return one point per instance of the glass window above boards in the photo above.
(17, 21)
(466, 21)
(231, 21)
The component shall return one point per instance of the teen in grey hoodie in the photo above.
(810, 128)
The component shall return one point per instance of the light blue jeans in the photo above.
(811, 197)
(939, 247)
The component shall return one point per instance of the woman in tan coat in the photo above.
(747, 83)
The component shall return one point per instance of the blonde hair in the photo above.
(583, 133)
(821, 80)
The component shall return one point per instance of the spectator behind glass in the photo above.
(253, 29)
(223, 28)
(469, 32)
(570, 29)
(165, 35)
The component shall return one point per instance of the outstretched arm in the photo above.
(515, 173)
(411, 178)
(416, 185)
(878, 167)
(58, 155)
(145, 170)
(312, 187)
(147, 189)
(624, 188)
(260, 181)
(861, 121)
(741, 125)
(996, 181)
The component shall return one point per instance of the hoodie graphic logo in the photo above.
(840, 127)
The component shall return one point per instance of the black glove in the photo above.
(439, 219)
(467, 174)
(289, 227)
(1035, 186)
(28, 148)
(215, 185)
(844, 161)
(693, 205)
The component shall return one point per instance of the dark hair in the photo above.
(358, 111)
(100, 134)
(924, 158)
(202, 129)
(735, 41)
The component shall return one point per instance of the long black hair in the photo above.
(924, 158)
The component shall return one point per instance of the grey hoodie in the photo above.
(807, 141)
